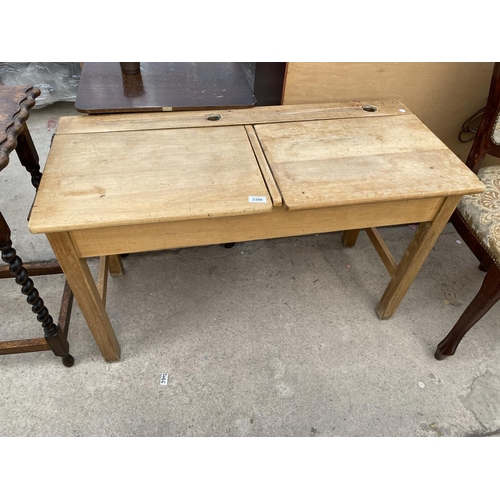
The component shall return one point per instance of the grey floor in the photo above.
(269, 338)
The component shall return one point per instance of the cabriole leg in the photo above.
(485, 299)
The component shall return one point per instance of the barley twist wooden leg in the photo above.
(28, 156)
(56, 341)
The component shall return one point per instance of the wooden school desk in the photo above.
(126, 183)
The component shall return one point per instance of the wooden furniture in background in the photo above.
(15, 104)
(269, 83)
(162, 86)
(477, 220)
(442, 95)
(240, 175)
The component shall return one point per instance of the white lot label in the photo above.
(257, 199)
(164, 379)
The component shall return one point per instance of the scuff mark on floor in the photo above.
(483, 401)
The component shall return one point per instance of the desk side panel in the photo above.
(276, 224)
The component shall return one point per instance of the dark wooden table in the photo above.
(15, 104)
(163, 86)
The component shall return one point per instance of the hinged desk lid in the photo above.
(347, 161)
(108, 179)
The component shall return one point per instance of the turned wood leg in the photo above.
(28, 156)
(350, 237)
(421, 244)
(53, 335)
(487, 296)
(86, 294)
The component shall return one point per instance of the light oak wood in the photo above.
(442, 94)
(86, 294)
(350, 237)
(129, 184)
(421, 244)
(382, 249)
(343, 162)
(264, 167)
(228, 117)
(102, 278)
(115, 265)
(121, 178)
(279, 223)
(211, 173)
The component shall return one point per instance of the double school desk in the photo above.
(124, 183)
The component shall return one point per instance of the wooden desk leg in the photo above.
(421, 244)
(115, 265)
(350, 237)
(86, 294)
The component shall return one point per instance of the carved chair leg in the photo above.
(28, 156)
(53, 336)
(487, 296)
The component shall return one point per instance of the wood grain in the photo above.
(102, 278)
(122, 178)
(86, 294)
(116, 185)
(27, 345)
(276, 224)
(421, 244)
(442, 94)
(190, 119)
(115, 265)
(382, 249)
(342, 162)
(266, 172)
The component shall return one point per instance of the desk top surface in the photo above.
(176, 86)
(113, 170)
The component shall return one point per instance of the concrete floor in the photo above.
(269, 338)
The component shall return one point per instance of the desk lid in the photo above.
(126, 178)
(324, 163)
(126, 169)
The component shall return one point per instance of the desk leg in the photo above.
(115, 265)
(350, 237)
(424, 239)
(86, 294)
